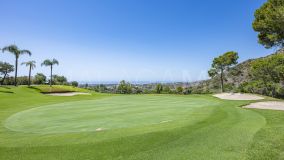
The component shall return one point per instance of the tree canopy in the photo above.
(269, 23)
(31, 64)
(179, 89)
(268, 74)
(40, 78)
(221, 64)
(159, 88)
(49, 62)
(124, 87)
(16, 51)
(59, 80)
(5, 69)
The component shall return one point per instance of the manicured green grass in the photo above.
(36, 126)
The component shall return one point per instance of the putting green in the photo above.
(109, 113)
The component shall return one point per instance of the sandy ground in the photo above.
(238, 96)
(273, 105)
(166, 121)
(99, 129)
(68, 94)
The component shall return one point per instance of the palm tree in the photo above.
(32, 65)
(49, 62)
(17, 52)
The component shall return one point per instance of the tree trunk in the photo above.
(222, 80)
(16, 71)
(30, 75)
(50, 83)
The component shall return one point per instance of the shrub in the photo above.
(74, 83)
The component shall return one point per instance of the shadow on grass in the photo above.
(6, 92)
(35, 88)
(5, 87)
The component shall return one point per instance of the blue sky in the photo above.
(135, 40)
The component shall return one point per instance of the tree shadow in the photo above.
(6, 92)
(34, 88)
(5, 87)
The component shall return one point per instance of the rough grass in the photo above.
(57, 89)
(202, 127)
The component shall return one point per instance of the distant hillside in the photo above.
(236, 76)
(241, 72)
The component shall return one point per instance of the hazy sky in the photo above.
(135, 40)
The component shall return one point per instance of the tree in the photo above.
(39, 78)
(137, 90)
(159, 88)
(100, 88)
(61, 80)
(179, 90)
(51, 63)
(31, 65)
(221, 64)
(167, 89)
(5, 69)
(269, 22)
(268, 73)
(124, 87)
(187, 91)
(17, 52)
(23, 80)
(74, 83)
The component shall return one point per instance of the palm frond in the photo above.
(46, 62)
(33, 64)
(24, 63)
(12, 49)
(55, 61)
(25, 52)
(30, 63)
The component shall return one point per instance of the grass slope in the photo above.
(193, 127)
(57, 89)
(110, 113)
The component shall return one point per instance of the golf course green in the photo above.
(36, 126)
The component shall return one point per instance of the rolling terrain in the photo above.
(102, 126)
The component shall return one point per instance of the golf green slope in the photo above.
(109, 113)
(36, 126)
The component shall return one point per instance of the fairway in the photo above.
(103, 126)
(109, 113)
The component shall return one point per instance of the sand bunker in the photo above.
(238, 96)
(273, 105)
(68, 94)
(99, 129)
(166, 121)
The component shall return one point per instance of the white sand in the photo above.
(238, 96)
(166, 121)
(273, 105)
(68, 94)
(99, 129)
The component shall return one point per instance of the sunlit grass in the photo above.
(37, 126)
